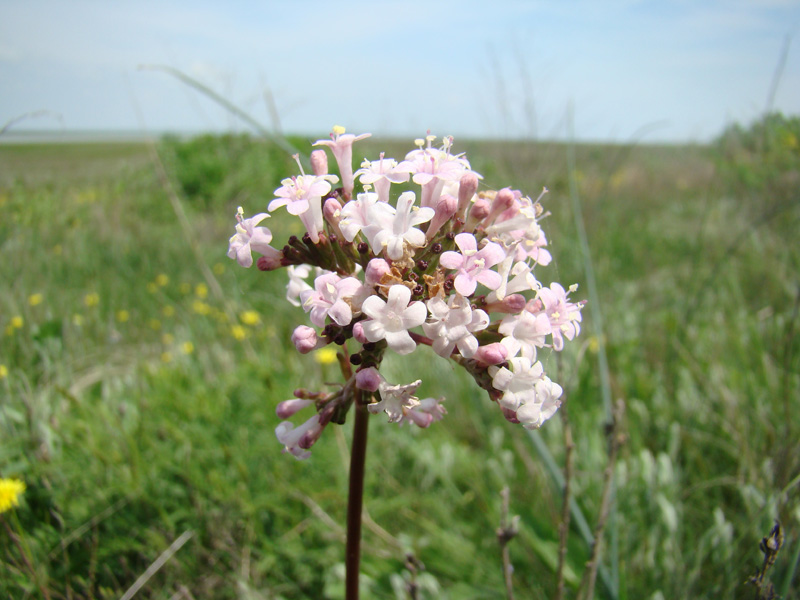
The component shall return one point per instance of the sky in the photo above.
(617, 71)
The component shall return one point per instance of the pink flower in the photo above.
(302, 196)
(392, 319)
(473, 266)
(524, 333)
(297, 440)
(425, 413)
(328, 299)
(382, 173)
(453, 324)
(341, 144)
(248, 237)
(565, 316)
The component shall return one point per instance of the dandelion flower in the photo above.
(10, 490)
(35, 299)
(3, 371)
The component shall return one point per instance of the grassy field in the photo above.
(140, 369)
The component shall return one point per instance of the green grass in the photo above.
(139, 405)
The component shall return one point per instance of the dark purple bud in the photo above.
(363, 248)
(422, 265)
(355, 359)
(437, 248)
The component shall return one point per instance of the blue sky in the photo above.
(656, 71)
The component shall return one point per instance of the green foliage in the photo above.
(139, 401)
(763, 159)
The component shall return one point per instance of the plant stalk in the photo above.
(355, 500)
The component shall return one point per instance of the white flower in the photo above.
(397, 227)
(392, 319)
(547, 400)
(525, 332)
(452, 325)
(396, 399)
(355, 216)
(297, 283)
(526, 391)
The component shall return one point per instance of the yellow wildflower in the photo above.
(162, 279)
(168, 311)
(201, 308)
(201, 290)
(91, 300)
(17, 322)
(166, 357)
(250, 317)
(123, 316)
(187, 347)
(10, 490)
(238, 332)
(3, 371)
(219, 268)
(35, 299)
(154, 324)
(167, 339)
(325, 356)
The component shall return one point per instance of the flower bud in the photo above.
(376, 269)
(271, 259)
(288, 408)
(358, 333)
(368, 379)
(491, 354)
(513, 304)
(304, 339)
(319, 162)
(467, 188)
(503, 200)
(332, 210)
(480, 209)
(445, 209)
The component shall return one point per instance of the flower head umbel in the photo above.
(418, 255)
(10, 491)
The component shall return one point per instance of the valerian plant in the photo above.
(420, 256)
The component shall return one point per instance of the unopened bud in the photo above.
(319, 162)
(376, 269)
(491, 354)
(368, 379)
(480, 210)
(270, 261)
(288, 408)
(445, 209)
(512, 304)
(304, 339)
(466, 191)
(358, 333)
(503, 200)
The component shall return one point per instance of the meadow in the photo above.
(140, 369)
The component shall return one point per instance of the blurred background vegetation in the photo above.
(142, 369)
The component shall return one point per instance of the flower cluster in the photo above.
(418, 256)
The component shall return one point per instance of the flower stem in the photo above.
(355, 500)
